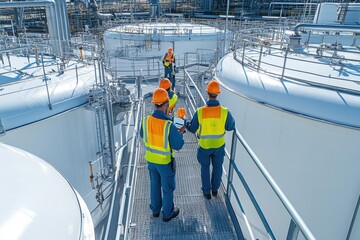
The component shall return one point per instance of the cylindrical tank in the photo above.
(137, 49)
(37, 202)
(306, 136)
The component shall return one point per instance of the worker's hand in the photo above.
(182, 129)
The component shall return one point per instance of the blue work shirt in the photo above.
(171, 94)
(193, 125)
(176, 138)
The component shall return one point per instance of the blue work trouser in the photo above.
(162, 176)
(215, 156)
(170, 76)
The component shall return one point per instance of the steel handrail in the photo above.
(128, 188)
(120, 153)
(266, 48)
(135, 147)
(286, 203)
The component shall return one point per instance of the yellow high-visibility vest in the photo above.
(172, 102)
(168, 59)
(211, 131)
(156, 139)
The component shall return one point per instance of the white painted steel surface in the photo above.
(134, 48)
(68, 142)
(329, 13)
(23, 95)
(315, 163)
(65, 135)
(36, 201)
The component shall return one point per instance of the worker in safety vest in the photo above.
(161, 137)
(169, 64)
(210, 122)
(166, 84)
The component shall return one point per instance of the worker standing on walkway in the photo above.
(166, 84)
(161, 137)
(210, 122)
(169, 64)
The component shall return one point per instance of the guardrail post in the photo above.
(259, 62)
(293, 231)
(77, 74)
(46, 79)
(2, 129)
(138, 85)
(200, 82)
(285, 58)
(243, 54)
(185, 77)
(231, 162)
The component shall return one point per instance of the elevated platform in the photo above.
(199, 218)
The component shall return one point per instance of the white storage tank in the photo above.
(134, 49)
(38, 202)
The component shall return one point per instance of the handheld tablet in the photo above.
(178, 122)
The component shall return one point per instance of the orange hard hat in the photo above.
(160, 96)
(170, 50)
(213, 87)
(165, 83)
(181, 113)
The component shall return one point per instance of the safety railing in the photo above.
(152, 67)
(258, 48)
(120, 220)
(194, 98)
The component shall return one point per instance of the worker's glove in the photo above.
(181, 113)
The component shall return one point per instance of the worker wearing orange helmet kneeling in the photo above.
(169, 64)
(210, 123)
(166, 84)
(161, 137)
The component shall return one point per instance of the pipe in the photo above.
(101, 16)
(55, 11)
(44, 3)
(343, 28)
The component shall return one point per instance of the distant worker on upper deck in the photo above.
(169, 64)
(209, 123)
(166, 84)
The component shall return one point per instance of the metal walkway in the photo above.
(199, 218)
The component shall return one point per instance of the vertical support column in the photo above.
(53, 28)
(138, 85)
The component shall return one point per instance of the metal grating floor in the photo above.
(199, 218)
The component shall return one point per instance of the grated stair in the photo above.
(199, 218)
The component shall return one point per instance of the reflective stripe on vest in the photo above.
(211, 130)
(156, 139)
(172, 102)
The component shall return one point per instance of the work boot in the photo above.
(207, 196)
(156, 215)
(176, 212)
(214, 193)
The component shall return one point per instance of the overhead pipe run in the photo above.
(326, 27)
(58, 24)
